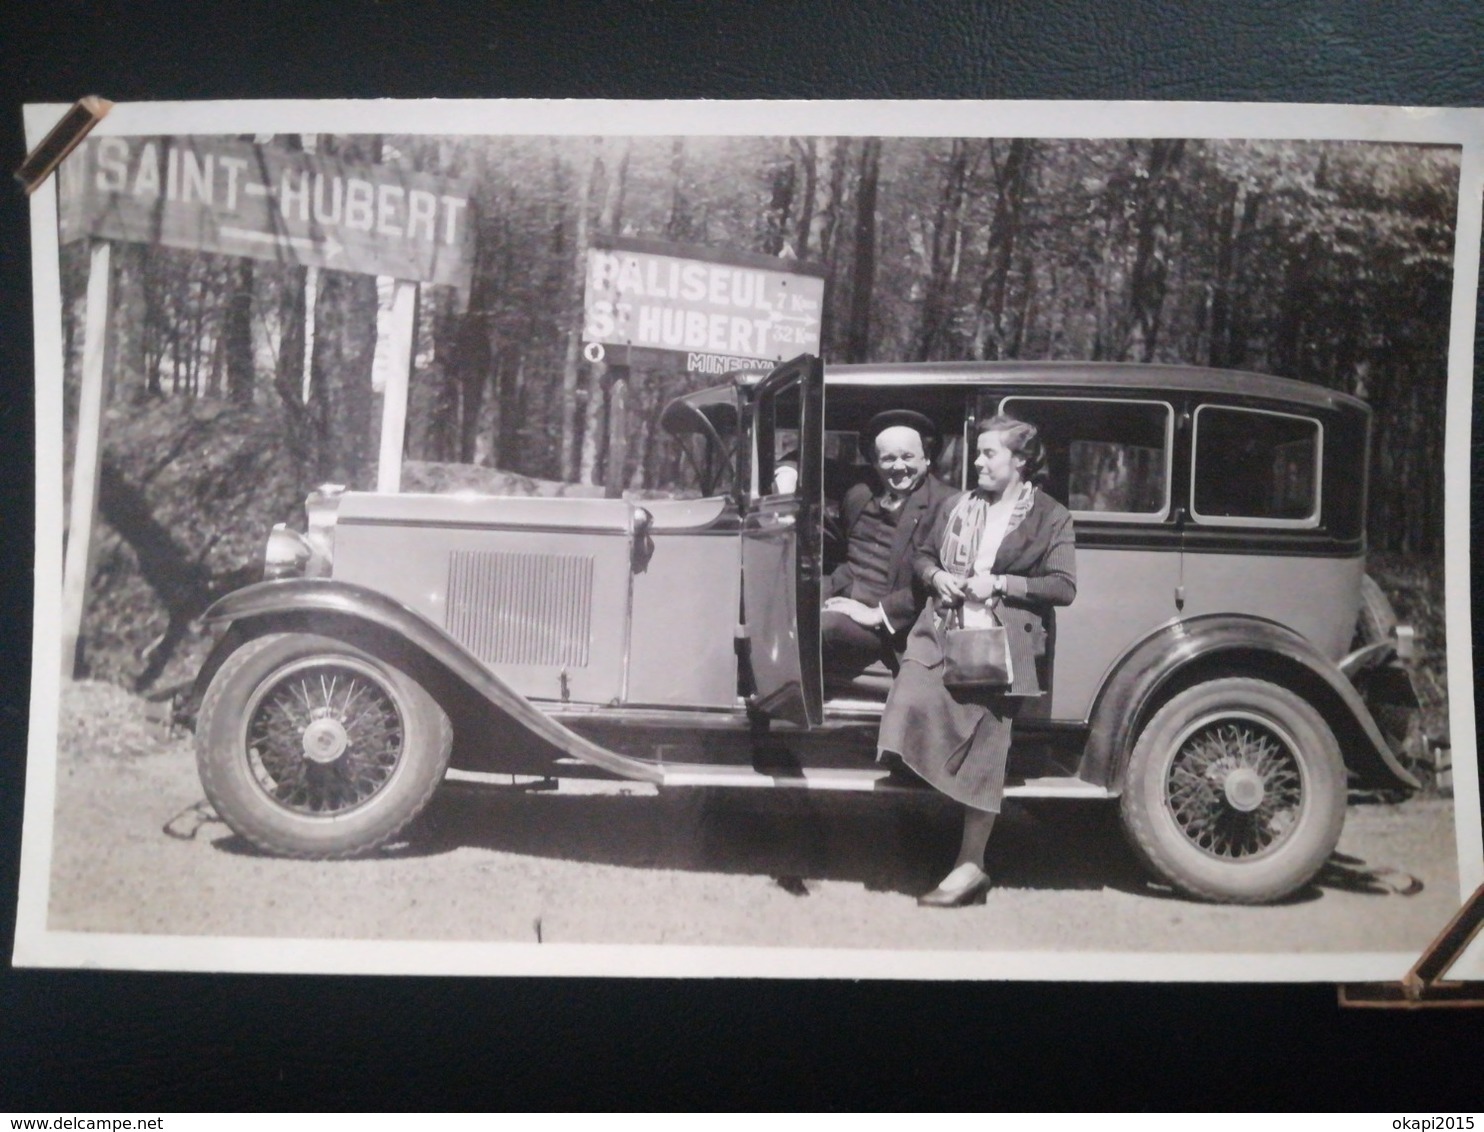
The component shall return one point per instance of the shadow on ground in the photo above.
(901, 844)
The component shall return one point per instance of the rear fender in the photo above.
(1185, 653)
(343, 610)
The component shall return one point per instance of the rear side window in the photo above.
(1254, 467)
(1108, 460)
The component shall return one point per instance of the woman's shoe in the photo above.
(956, 891)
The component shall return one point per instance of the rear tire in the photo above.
(309, 747)
(1235, 792)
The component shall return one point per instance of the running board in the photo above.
(702, 774)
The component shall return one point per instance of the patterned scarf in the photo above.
(966, 526)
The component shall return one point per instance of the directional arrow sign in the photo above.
(328, 248)
(800, 319)
(238, 198)
(713, 310)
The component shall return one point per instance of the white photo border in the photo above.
(37, 945)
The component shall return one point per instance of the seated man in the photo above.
(872, 599)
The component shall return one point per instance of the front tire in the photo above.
(309, 747)
(1235, 792)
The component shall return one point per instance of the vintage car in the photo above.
(1227, 672)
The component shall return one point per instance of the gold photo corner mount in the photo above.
(1424, 984)
(63, 138)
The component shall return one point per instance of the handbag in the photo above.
(977, 657)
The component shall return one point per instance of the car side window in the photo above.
(1255, 467)
(777, 447)
(1108, 459)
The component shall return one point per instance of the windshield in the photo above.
(701, 427)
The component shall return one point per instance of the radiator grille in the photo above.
(511, 608)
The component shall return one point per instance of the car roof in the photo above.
(1093, 376)
(717, 404)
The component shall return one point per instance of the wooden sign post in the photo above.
(77, 565)
(394, 398)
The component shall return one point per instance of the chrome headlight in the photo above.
(286, 555)
(292, 555)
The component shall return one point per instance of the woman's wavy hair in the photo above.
(1024, 440)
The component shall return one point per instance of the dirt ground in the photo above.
(137, 850)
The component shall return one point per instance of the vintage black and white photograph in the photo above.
(920, 540)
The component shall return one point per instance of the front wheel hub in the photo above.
(1244, 789)
(325, 740)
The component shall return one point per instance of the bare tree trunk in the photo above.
(472, 365)
(808, 158)
(237, 332)
(780, 205)
(156, 320)
(1026, 312)
(1004, 231)
(943, 258)
(639, 446)
(131, 324)
(678, 225)
(198, 338)
(837, 159)
(863, 273)
(1150, 276)
(177, 362)
(288, 376)
(1221, 284)
(613, 200)
(511, 370)
(592, 418)
(572, 360)
(830, 213)
(214, 371)
(344, 349)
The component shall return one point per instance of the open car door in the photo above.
(781, 543)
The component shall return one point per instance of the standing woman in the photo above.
(1005, 548)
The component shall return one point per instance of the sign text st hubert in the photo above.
(240, 198)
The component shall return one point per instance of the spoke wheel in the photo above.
(310, 747)
(1234, 787)
(324, 738)
(1235, 791)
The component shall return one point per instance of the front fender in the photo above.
(323, 605)
(1181, 654)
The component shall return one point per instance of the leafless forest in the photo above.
(1329, 262)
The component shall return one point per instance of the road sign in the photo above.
(238, 198)
(715, 311)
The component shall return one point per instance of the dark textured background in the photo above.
(89, 1040)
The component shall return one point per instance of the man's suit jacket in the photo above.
(906, 593)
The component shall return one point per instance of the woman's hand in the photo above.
(949, 589)
(868, 616)
(983, 587)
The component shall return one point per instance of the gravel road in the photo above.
(137, 850)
